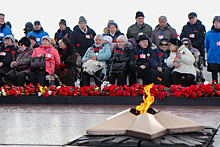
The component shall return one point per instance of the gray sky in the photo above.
(98, 12)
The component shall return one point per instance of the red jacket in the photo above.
(52, 58)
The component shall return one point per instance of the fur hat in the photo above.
(216, 18)
(176, 42)
(32, 37)
(122, 37)
(62, 21)
(25, 41)
(10, 37)
(108, 38)
(143, 37)
(46, 37)
(82, 19)
(139, 14)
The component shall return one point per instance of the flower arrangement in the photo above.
(194, 91)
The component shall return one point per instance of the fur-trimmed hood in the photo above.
(127, 46)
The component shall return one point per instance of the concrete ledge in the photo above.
(108, 100)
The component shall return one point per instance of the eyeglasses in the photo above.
(164, 44)
(20, 44)
(186, 43)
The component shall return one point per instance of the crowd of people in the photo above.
(156, 55)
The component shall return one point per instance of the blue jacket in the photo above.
(104, 54)
(38, 35)
(6, 31)
(211, 39)
(156, 60)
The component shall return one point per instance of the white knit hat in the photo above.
(108, 38)
(122, 37)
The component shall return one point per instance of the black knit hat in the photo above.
(176, 42)
(192, 15)
(28, 27)
(216, 18)
(62, 21)
(139, 14)
(25, 41)
(32, 37)
(37, 22)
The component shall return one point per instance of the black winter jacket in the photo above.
(79, 40)
(66, 33)
(114, 38)
(199, 30)
(7, 59)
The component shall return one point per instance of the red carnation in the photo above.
(136, 56)
(96, 49)
(101, 47)
(176, 35)
(161, 54)
(6, 50)
(46, 94)
(53, 93)
(25, 52)
(51, 88)
(77, 44)
(114, 40)
(105, 88)
(12, 52)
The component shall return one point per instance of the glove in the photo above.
(116, 59)
(134, 67)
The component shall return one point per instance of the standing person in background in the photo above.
(139, 28)
(162, 30)
(38, 32)
(106, 30)
(82, 37)
(34, 43)
(212, 44)
(28, 28)
(113, 31)
(195, 31)
(4, 29)
(63, 31)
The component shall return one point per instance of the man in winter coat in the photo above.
(82, 36)
(63, 31)
(195, 31)
(139, 28)
(4, 29)
(162, 30)
(212, 44)
(38, 32)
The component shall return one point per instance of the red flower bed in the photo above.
(160, 91)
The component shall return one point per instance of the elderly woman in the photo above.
(6, 56)
(52, 59)
(160, 73)
(182, 60)
(119, 61)
(113, 31)
(99, 51)
(139, 59)
(162, 30)
(21, 65)
(68, 62)
(198, 62)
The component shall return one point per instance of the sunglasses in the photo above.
(186, 43)
(164, 44)
(20, 44)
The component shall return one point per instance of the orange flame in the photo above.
(143, 107)
(159, 79)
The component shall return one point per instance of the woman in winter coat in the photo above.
(99, 51)
(119, 61)
(158, 64)
(52, 59)
(198, 62)
(182, 60)
(7, 55)
(212, 44)
(68, 62)
(113, 31)
(139, 59)
(21, 66)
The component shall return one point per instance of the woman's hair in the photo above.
(99, 37)
(53, 42)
